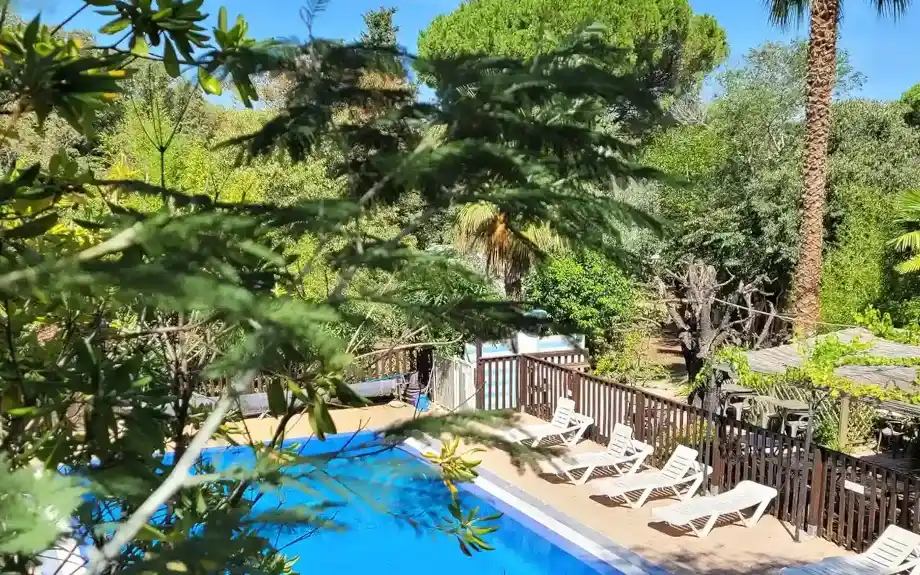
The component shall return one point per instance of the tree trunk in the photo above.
(513, 286)
(821, 75)
(692, 361)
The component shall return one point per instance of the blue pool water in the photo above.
(390, 501)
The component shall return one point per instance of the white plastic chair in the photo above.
(745, 495)
(622, 452)
(896, 551)
(567, 425)
(681, 469)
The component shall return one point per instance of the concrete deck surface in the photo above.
(729, 549)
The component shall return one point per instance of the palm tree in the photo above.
(907, 208)
(824, 16)
(509, 254)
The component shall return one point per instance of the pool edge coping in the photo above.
(598, 545)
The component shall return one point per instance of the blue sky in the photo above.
(887, 52)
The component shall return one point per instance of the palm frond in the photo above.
(787, 13)
(907, 242)
(909, 266)
(892, 8)
(475, 225)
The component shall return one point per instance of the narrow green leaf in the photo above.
(31, 33)
(148, 533)
(32, 228)
(139, 46)
(170, 60)
(161, 14)
(209, 83)
(277, 403)
(464, 548)
(222, 19)
(115, 26)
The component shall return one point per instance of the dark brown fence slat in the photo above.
(860, 537)
(850, 474)
(893, 501)
(914, 524)
(841, 500)
(740, 451)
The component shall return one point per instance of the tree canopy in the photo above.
(186, 248)
(659, 37)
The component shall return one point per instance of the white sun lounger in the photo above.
(622, 452)
(896, 551)
(681, 469)
(567, 425)
(745, 495)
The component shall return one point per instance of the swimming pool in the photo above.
(390, 501)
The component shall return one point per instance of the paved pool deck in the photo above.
(729, 549)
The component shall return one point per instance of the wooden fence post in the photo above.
(639, 416)
(844, 425)
(480, 378)
(718, 473)
(522, 383)
(575, 385)
(818, 484)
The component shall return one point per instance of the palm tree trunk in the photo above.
(822, 72)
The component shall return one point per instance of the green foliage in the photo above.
(816, 373)
(740, 209)
(855, 269)
(200, 247)
(483, 229)
(907, 209)
(658, 36)
(911, 101)
(586, 291)
(34, 507)
(626, 359)
(381, 32)
(881, 325)
(456, 466)
(742, 162)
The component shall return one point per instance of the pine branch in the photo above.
(100, 559)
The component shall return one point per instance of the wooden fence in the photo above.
(497, 377)
(829, 494)
(383, 364)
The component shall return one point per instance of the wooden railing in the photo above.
(577, 360)
(387, 362)
(497, 377)
(832, 495)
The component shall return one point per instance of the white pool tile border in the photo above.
(596, 545)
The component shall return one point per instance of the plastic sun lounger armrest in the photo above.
(579, 424)
(635, 461)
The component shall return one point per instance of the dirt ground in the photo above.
(664, 350)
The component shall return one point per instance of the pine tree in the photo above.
(122, 297)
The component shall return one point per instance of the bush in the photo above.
(626, 360)
(854, 272)
(586, 291)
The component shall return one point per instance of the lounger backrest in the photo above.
(893, 547)
(565, 408)
(620, 441)
(680, 462)
(253, 404)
